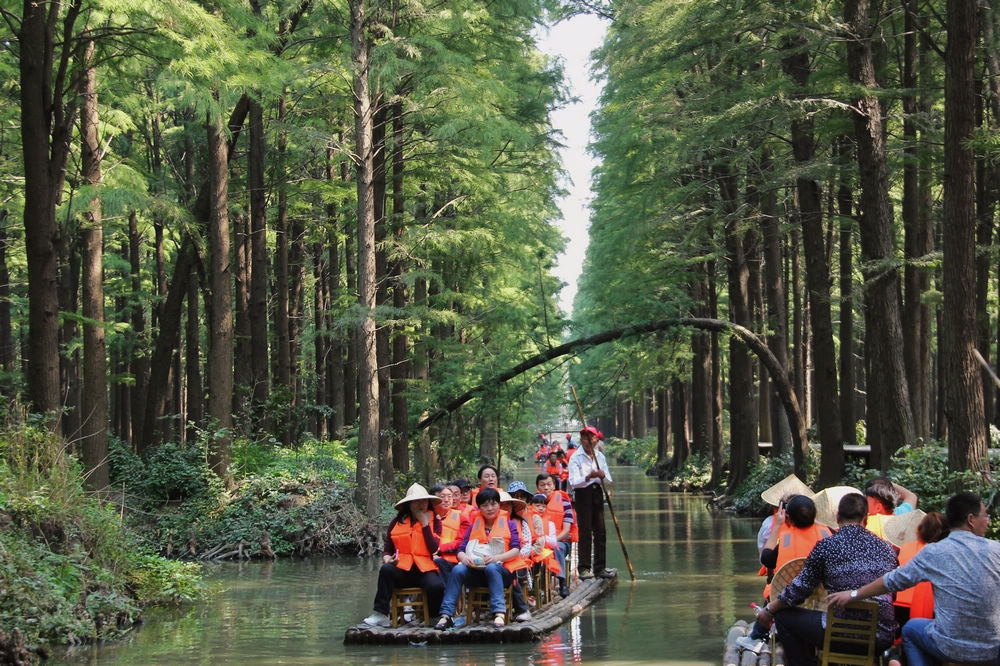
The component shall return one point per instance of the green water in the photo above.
(696, 574)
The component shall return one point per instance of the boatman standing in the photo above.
(588, 469)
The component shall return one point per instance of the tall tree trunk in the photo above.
(742, 411)
(192, 361)
(824, 354)
(259, 355)
(382, 296)
(282, 295)
(400, 301)
(6, 329)
(43, 119)
(701, 371)
(679, 422)
(94, 417)
(140, 338)
(321, 341)
(242, 355)
(776, 322)
(368, 488)
(890, 421)
(662, 413)
(335, 287)
(220, 330)
(967, 442)
(845, 208)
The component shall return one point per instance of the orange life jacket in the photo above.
(554, 513)
(500, 529)
(553, 468)
(547, 555)
(450, 525)
(795, 542)
(408, 538)
(919, 598)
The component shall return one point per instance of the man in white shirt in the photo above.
(588, 469)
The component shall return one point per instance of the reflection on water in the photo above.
(696, 574)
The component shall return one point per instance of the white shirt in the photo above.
(580, 465)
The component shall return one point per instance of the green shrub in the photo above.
(66, 562)
(696, 474)
(764, 474)
(640, 452)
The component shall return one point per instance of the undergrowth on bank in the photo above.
(70, 570)
(283, 501)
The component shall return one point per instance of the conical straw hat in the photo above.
(787, 573)
(519, 504)
(790, 485)
(417, 492)
(902, 528)
(827, 501)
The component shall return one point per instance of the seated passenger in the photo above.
(483, 568)
(775, 496)
(885, 499)
(406, 556)
(918, 601)
(964, 570)
(559, 511)
(453, 526)
(520, 566)
(848, 559)
(795, 537)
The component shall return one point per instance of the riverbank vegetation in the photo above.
(71, 569)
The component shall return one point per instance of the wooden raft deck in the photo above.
(733, 655)
(543, 621)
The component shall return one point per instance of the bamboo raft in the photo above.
(543, 621)
(733, 655)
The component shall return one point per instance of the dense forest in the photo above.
(280, 221)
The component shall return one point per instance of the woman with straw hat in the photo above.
(780, 492)
(407, 559)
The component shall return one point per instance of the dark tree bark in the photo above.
(140, 338)
(678, 423)
(94, 416)
(195, 406)
(6, 329)
(824, 353)
(967, 442)
(701, 373)
(890, 421)
(368, 488)
(242, 356)
(46, 123)
(259, 354)
(220, 329)
(845, 207)
(400, 366)
(743, 451)
(777, 310)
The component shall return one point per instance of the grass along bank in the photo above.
(71, 571)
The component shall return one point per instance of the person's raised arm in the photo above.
(905, 495)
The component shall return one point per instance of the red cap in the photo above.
(593, 431)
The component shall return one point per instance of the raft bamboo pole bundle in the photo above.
(543, 621)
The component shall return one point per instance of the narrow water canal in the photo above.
(696, 574)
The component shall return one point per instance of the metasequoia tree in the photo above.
(963, 390)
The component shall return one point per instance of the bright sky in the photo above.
(573, 40)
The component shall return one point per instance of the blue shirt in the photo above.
(964, 570)
(847, 560)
